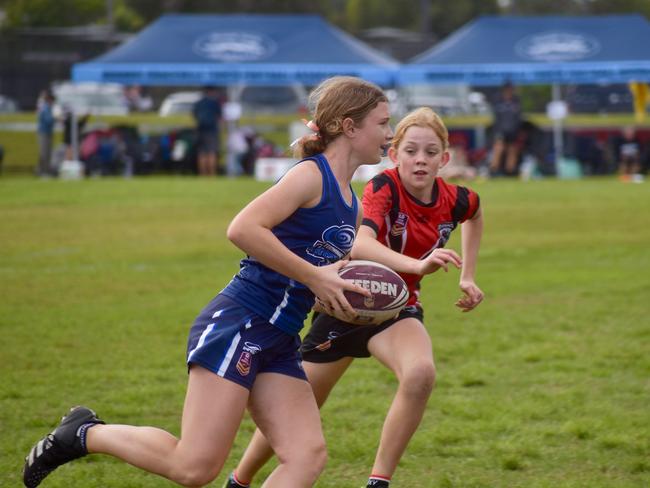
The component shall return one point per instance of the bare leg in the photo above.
(202, 164)
(285, 410)
(213, 410)
(211, 164)
(512, 154)
(497, 154)
(405, 348)
(322, 377)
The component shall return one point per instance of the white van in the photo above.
(90, 98)
(178, 103)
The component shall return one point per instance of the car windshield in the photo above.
(264, 95)
(90, 99)
(180, 107)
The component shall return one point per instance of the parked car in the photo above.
(90, 98)
(269, 99)
(614, 98)
(444, 99)
(178, 103)
(7, 105)
(252, 99)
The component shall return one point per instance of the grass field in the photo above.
(547, 384)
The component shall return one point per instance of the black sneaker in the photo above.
(62, 445)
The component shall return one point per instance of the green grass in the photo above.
(545, 385)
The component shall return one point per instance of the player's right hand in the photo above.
(440, 258)
(328, 287)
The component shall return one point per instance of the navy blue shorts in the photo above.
(237, 344)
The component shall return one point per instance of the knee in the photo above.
(315, 461)
(418, 380)
(194, 476)
(320, 458)
(310, 459)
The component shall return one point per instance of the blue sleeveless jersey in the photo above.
(321, 235)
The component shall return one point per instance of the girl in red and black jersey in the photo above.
(409, 214)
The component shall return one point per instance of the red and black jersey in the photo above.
(411, 227)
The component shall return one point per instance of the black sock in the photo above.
(236, 482)
(81, 433)
(378, 482)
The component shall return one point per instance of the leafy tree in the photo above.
(45, 13)
(620, 6)
(65, 13)
(440, 17)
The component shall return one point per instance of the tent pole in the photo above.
(557, 130)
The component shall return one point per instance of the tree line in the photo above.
(433, 18)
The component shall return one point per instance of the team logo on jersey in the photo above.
(246, 358)
(399, 226)
(336, 241)
(444, 233)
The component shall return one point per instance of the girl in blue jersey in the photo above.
(409, 214)
(243, 347)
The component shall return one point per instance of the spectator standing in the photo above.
(45, 129)
(207, 114)
(629, 155)
(507, 121)
(237, 148)
(67, 131)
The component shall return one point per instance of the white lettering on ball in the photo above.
(381, 287)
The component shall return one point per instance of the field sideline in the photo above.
(547, 384)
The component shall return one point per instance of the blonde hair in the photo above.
(421, 117)
(331, 102)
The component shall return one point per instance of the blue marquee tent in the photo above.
(228, 49)
(537, 50)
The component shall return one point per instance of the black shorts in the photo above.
(508, 137)
(207, 142)
(330, 339)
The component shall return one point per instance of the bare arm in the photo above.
(366, 246)
(471, 232)
(250, 230)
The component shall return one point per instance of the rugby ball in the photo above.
(389, 291)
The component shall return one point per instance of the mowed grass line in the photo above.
(545, 385)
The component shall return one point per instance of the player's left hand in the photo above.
(472, 296)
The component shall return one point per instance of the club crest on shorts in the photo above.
(324, 346)
(246, 358)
